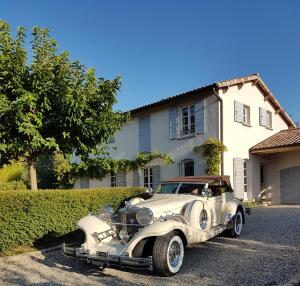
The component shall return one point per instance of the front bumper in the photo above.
(108, 260)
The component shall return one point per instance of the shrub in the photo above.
(27, 216)
(212, 150)
(13, 185)
(12, 172)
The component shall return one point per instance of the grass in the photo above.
(252, 204)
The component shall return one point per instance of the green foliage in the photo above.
(26, 216)
(212, 150)
(68, 172)
(12, 172)
(13, 186)
(51, 103)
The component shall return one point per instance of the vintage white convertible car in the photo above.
(151, 231)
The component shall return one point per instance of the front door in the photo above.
(216, 206)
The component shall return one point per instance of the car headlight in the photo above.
(144, 216)
(106, 213)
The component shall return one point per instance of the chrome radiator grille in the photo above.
(127, 218)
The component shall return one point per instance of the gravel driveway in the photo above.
(267, 253)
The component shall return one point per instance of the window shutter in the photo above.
(144, 134)
(136, 178)
(155, 176)
(173, 122)
(121, 179)
(238, 177)
(84, 182)
(238, 112)
(269, 119)
(262, 117)
(199, 117)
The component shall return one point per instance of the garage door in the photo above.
(290, 185)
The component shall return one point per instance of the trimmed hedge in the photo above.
(27, 216)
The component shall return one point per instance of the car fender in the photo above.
(159, 227)
(230, 209)
(90, 225)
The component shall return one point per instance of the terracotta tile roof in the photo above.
(170, 99)
(255, 78)
(282, 139)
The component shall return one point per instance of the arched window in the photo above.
(186, 167)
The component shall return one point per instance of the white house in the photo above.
(240, 112)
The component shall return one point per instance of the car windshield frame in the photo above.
(179, 184)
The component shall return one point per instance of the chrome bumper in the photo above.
(108, 260)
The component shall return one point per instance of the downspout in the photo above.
(221, 126)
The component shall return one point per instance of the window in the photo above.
(148, 178)
(113, 179)
(242, 113)
(191, 188)
(265, 118)
(245, 176)
(218, 188)
(246, 115)
(187, 120)
(186, 167)
(168, 188)
(262, 175)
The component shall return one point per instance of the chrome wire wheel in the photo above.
(238, 224)
(175, 254)
(203, 219)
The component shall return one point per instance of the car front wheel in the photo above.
(168, 254)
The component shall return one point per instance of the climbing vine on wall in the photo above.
(212, 150)
(68, 172)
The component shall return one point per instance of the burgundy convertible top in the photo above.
(201, 179)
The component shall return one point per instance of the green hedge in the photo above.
(13, 186)
(27, 216)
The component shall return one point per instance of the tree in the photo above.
(49, 103)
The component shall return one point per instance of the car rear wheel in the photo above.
(168, 254)
(237, 225)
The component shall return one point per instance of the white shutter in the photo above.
(263, 117)
(121, 179)
(144, 134)
(136, 178)
(155, 176)
(84, 182)
(199, 117)
(238, 111)
(238, 177)
(173, 121)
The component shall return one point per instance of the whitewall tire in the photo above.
(236, 229)
(168, 254)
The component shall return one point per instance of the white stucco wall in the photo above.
(240, 138)
(276, 163)
(126, 141)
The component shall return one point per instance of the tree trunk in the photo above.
(32, 175)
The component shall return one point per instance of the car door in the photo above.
(216, 205)
(216, 202)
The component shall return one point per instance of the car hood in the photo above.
(164, 204)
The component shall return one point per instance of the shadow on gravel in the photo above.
(56, 259)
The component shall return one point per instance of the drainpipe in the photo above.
(221, 126)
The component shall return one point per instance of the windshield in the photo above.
(185, 188)
(194, 189)
(167, 188)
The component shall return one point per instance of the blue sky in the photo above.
(162, 48)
